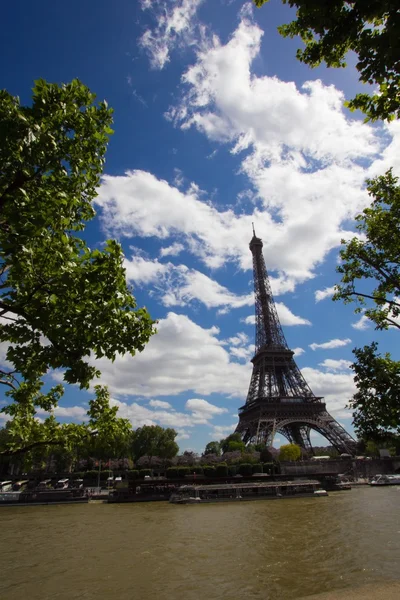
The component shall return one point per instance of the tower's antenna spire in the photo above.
(254, 231)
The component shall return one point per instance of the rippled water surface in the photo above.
(269, 550)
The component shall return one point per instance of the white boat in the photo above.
(386, 480)
(5, 486)
(62, 484)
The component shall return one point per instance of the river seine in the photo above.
(269, 550)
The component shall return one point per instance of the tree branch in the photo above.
(31, 447)
(374, 298)
(11, 385)
(386, 276)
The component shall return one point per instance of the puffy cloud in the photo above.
(71, 413)
(227, 102)
(198, 412)
(172, 250)
(336, 343)
(336, 389)
(335, 365)
(175, 26)
(179, 285)
(139, 270)
(202, 408)
(219, 432)
(306, 158)
(243, 353)
(298, 351)
(159, 404)
(250, 320)
(181, 356)
(362, 323)
(238, 339)
(286, 316)
(325, 293)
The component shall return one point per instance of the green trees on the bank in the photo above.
(373, 257)
(153, 440)
(376, 403)
(60, 301)
(369, 28)
(233, 443)
(290, 452)
(213, 448)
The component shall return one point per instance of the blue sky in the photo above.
(216, 125)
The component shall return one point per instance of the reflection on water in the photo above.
(269, 550)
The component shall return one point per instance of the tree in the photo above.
(213, 448)
(369, 28)
(374, 255)
(60, 301)
(376, 404)
(110, 434)
(289, 452)
(232, 443)
(153, 440)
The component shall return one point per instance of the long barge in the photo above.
(237, 492)
(40, 498)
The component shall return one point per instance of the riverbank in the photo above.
(378, 591)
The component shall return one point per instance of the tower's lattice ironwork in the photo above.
(279, 399)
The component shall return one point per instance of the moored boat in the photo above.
(233, 492)
(385, 480)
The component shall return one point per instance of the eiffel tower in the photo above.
(279, 399)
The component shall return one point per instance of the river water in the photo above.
(269, 550)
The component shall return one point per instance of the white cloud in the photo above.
(159, 404)
(336, 388)
(189, 285)
(325, 293)
(222, 431)
(198, 412)
(336, 343)
(139, 270)
(298, 351)
(286, 316)
(202, 408)
(250, 320)
(172, 250)
(179, 285)
(304, 156)
(238, 339)
(175, 27)
(362, 323)
(227, 103)
(335, 365)
(4, 346)
(73, 413)
(182, 435)
(242, 353)
(181, 356)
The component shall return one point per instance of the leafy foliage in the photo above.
(290, 452)
(370, 28)
(213, 448)
(60, 301)
(376, 403)
(153, 440)
(232, 443)
(375, 255)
